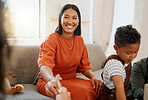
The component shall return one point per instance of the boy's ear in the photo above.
(115, 47)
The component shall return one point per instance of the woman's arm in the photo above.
(94, 80)
(88, 73)
(47, 75)
(119, 86)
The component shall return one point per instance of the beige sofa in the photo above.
(24, 66)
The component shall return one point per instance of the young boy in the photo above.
(117, 68)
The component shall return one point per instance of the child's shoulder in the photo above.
(113, 61)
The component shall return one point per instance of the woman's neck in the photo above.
(67, 36)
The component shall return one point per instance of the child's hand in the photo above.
(65, 95)
(96, 83)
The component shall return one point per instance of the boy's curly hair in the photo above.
(126, 35)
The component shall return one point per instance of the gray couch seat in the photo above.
(28, 93)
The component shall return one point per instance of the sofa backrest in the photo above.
(24, 61)
(96, 56)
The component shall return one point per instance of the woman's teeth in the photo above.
(69, 26)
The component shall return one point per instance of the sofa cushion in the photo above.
(24, 63)
(96, 56)
(96, 73)
(28, 93)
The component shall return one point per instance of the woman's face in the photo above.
(69, 21)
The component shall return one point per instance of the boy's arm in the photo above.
(119, 86)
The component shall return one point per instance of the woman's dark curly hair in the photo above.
(74, 7)
(127, 35)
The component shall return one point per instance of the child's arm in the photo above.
(119, 86)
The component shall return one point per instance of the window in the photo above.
(24, 16)
(33, 20)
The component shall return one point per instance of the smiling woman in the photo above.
(65, 53)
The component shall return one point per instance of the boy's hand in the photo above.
(96, 83)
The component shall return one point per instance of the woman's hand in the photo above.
(50, 88)
(64, 95)
(96, 83)
(94, 80)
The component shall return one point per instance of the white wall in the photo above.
(141, 23)
(123, 15)
(102, 22)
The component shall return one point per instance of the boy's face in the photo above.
(128, 52)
